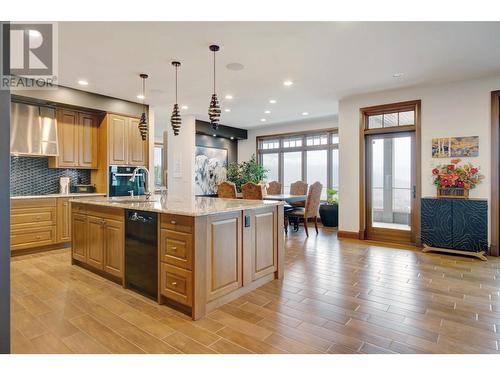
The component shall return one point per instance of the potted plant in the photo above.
(247, 171)
(329, 211)
(455, 181)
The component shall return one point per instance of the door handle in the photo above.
(414, 192)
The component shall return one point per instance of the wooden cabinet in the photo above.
(224, 254)
(125, 145)
(99, 238)
(114, 247)
(176, 283)
(77, 132)
(63, 228)
(80, 236)
(33, 223)
(264, 254)
(95, 241)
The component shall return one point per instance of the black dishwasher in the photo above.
(141, 254)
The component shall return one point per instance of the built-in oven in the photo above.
(120, 184)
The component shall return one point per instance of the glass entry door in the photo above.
(390, 190)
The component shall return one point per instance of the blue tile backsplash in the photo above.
(32, 176)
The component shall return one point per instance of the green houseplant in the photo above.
(246, 171)
(329, 211)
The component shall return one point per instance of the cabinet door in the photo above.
(63, 220)
(470, 225)
(117, 142)
(67, 124)
(114, 247)
(224, 257)
(80, 236)
(436, 217)
(87, 140)
(95, 242)
(137, 153)
(264, 242)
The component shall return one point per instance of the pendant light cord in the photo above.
(214, 72)
(176, 85)
(143, 93)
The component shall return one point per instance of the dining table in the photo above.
(288, 198)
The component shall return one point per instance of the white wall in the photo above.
(248, 147)
(181, 153)
(454, 109)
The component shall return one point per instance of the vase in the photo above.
(329, 214)
(452, 192)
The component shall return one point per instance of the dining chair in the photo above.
(252, 191)
(298, 188)
(226, 189)
(310, 210)
(274, 188)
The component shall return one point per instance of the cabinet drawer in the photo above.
(32, 237)
(177, 223)
(176, 248)
(39, 203)
(26, 217)
(177, 284)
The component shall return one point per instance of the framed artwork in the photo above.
(210, 169)
(452, 147)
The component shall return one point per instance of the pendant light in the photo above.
(175, 119)
(143, 122)
(214, 109)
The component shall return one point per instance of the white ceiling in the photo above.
(325, 60)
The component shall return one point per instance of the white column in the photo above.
(181, 151)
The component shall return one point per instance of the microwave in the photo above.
(120, 184)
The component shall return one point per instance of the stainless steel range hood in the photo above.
(33, 130)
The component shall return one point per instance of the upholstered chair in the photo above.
(298, 188)
(311, 207)
(226, 189)
(252, 191)
(274, 188)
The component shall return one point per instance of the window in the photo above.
(310, 157)
(292, 169)
(403, 117)
(158, 165)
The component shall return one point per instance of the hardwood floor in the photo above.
(337, 297)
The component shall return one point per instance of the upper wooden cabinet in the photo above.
(125, 145)
(77, 140)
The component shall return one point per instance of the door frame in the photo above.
(495, 173)
(363, 115)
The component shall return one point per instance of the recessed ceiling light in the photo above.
(228, 97)
(272, 101)
(82, 82)
(287, 83)
(263, 120)
(305, 113)
(267, 112)
(34, 33)
(398, 75)
(227, 110)
(235, 66)
(232, 138)
(184, 107)
(214, 135)
(140, 97)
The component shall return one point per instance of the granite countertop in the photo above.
(197, 206)
(70, 195)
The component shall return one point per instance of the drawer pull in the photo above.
(173, 222)
(174, 283)
(37, 237)
(174, 248)
(38, 218)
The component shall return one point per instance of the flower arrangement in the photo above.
(448, 177)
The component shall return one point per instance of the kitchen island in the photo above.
(209, 250)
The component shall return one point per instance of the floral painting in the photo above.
(452, 147)
(210, 169)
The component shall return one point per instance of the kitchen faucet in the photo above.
(146, 180)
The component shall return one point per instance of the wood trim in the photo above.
(349, 235)
(380, 109)
(495, 151)
(302, 133)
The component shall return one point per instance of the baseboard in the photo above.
(347, 234)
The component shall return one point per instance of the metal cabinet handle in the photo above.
(174, 248)
(174, 283)
(173, 222)
(37, 237)
(38, 218)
